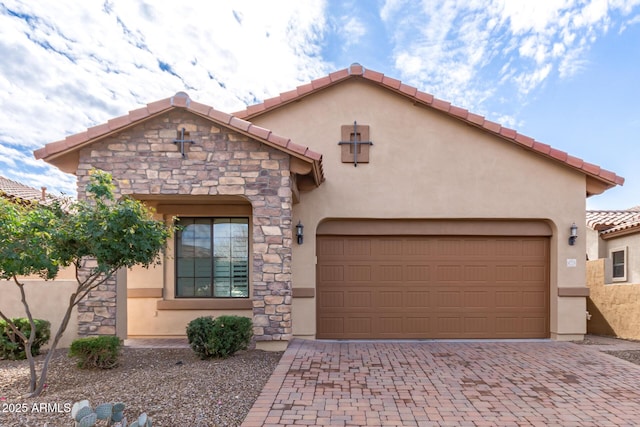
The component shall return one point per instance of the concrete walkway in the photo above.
(440, 383)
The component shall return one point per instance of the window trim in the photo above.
(625, 263)
(213, 297)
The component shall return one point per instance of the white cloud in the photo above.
(352, 29)
(462, 46)
(69, 65)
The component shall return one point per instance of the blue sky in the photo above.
(565, 72)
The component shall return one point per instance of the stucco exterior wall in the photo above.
(48, 300)
(614, 308)
(424, 164)
(630, 242)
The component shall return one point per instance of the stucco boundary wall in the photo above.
(48, 300)
(614, 308)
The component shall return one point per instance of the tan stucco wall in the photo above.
(48, 300)
(427, 165)
(630, 242)
(146, 320)
(614, 308)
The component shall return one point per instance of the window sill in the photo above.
(206, 304)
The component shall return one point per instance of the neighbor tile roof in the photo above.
(614, 221)
(181, 100)
(357, 71)
(14, 190)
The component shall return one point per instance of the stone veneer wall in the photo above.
(144, 160)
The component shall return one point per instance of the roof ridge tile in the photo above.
(373, 75)
(541, 147)
(356, 69)
(157, 106)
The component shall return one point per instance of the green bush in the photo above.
(219, 337)
(12, 347)
(96, 352)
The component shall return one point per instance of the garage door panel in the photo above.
(475, 248)
(533, 273)
(531, 325)
(388, 247)
(358, 325)
(450, 299)
(419, 247)
(433, 287)
(508, 273)
(331, 273)
(449, 273)
(333, 326)
(387, 299)
(331, 247)
(358, 273)
(362, 299)
(417, 298)
(449, 325)
(476, 325)
(477, 273)
(533, 298)
(331, 299)
(417, 273)
(508, 248)
(534, 249)
(478, 299)
(357, 247)
(389, 273)
(390, 324)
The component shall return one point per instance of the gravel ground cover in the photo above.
(172, 385)
(632, 356)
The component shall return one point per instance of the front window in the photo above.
(619, 264)
(212, 258)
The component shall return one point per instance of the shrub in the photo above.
(12, 347)
(96, 352)
(219, 337)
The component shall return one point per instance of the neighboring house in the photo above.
(613, 272)
(354, 206)
(44, 297)
(21, 193)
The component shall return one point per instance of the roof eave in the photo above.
(618, 233)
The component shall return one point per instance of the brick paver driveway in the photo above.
(448, 384)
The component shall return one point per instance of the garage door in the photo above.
(387, 287)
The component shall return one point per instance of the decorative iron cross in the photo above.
(181, 141)
(355, 143)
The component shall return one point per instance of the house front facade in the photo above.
(353, 207)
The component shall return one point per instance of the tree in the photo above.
(40, 240)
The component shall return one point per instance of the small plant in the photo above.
(96, 352)
(219, 337)
(12, 347)
(106, 414)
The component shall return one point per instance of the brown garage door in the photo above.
(376, 287)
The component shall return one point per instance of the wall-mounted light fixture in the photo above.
(573, 234)
(300, 232)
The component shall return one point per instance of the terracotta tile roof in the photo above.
(615, 221)
(181, 100)
(630, 227)
(357, 71)
(14, 190)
